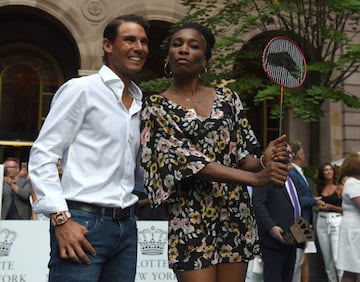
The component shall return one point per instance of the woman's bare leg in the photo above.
(202, 275)
(305, 275)
(231, 272)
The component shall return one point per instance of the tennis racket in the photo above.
(284, 63)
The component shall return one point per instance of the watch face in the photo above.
(61, 218)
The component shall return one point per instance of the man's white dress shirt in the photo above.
(97, 140)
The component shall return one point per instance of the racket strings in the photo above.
(284, 63)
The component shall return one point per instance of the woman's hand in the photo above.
(274, 173)
(276, 151)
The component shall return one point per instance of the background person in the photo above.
(276, 209)
(307, 201)
(16, 192)
(94, 128)
(328, 219)
(196, 142)
(349, 234)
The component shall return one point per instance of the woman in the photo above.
(196, 155)
(328, 219)
(349, 237)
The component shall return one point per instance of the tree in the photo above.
(326, 30)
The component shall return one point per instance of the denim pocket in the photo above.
(86, 219)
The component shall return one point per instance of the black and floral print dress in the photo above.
(209, 222)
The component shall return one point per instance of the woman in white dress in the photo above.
(349, 238)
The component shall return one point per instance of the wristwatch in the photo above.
(59, 218)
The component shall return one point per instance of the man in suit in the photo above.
(16, 192)
(276, 209)
(307, 201)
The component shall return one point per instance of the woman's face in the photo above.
(328, 172)
(187, 52)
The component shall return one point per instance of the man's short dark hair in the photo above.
(110, 31)
(295, 147)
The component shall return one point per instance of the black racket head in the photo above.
(284, 62)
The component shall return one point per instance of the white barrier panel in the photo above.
(24, 251)
(152, 263)
(1, 181)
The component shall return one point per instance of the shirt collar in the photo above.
(299, 169)
(109, 77)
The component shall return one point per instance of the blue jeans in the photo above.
(115, 243)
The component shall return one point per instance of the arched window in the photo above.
(19, 102)
(29, 77)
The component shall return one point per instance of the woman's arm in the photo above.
(330, 207)
(275, 151)
(274, 173)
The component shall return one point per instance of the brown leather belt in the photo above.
(114, 213)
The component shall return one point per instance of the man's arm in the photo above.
(262, 214)
(263, 217)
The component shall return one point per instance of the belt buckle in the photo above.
(114, 214)
(119, 213)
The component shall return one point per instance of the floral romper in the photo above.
(209, 222)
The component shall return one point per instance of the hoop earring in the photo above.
(204, 72)
(166, 72)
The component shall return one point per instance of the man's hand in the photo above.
(73, 243)
(8, 180)
(276, 232)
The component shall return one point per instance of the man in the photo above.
(276, 209)
(307, 201)
(16, 192)
(93, 127)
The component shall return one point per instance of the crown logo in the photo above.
(7, 238)
(152, 241)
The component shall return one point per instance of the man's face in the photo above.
(127, 54)
(301, 157)
(12, 168)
